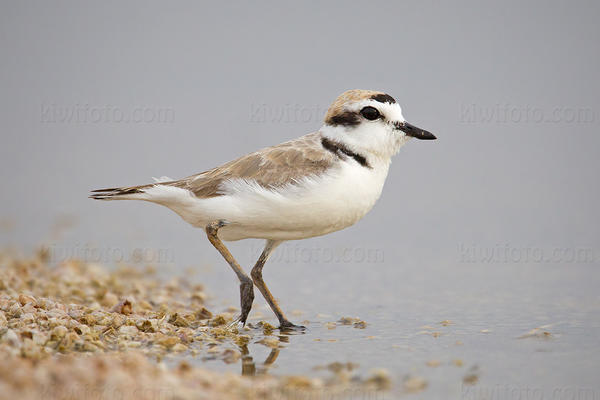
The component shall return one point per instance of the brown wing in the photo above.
(271, 167)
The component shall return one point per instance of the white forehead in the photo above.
(391, 111)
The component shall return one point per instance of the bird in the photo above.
(310, 186)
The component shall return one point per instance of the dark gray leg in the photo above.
(246, 288)
(260, 284)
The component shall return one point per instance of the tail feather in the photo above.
(122, 193)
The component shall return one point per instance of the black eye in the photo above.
(370, 113)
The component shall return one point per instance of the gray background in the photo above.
(526, 180)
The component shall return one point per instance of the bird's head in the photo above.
(370, 121)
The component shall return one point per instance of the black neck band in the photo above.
(339, 149)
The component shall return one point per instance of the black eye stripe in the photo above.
(344, 119)
(370, 113)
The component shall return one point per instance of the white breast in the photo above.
(315, 206)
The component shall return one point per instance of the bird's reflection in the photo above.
(250, 367)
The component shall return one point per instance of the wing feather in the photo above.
(272, 167)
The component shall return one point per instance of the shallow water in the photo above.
(472, 318)
(403, 290)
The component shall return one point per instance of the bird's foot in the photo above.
(238, 322)
(288, 326)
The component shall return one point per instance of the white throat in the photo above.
(377, 143)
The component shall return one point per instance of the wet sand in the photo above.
(84, 330)
(78, 330)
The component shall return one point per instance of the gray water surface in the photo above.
(490, 309)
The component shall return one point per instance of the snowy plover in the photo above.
(317, 184)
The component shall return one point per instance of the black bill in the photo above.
(415, 132)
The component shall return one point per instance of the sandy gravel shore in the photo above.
(82, 331)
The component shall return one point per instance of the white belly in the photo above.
(314, 207)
